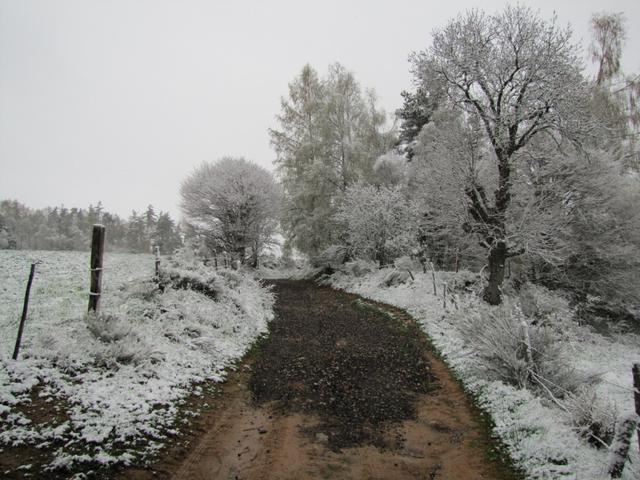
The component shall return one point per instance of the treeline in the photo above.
(508, 160)
(62, 228)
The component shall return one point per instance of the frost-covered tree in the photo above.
(61, 228)
(235, 202)
(615, 95)
(300, 151)
(451, 156)
(166, 234)
(390, 169)
(608, 34)
(328, 136)
(600, 253)
(137, 239)
(379, 222)
(520, 77)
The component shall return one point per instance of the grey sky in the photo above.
(118, 100)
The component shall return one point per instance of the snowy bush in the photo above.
(593, 417)
(379, 222)
(144, 290)
(358, 268)
(117, 342)
(187, 269)
(407, 263)
(332, 256)
(463, 281)
(542, 304)
(396, 277)
(390, 169)
(512, 349)
(107, 328)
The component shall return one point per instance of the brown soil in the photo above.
(337, 390)
(42, 411)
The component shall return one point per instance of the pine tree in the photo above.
(417, 109)
(166, 234)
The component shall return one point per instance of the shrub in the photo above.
(359, 268)
(592, 417)
(396, 277)
(106, 328)
(332, 256)
(541, 304)
(379, 223)
(146, 290)
(407, 263)
(511, 348)
(117, 342)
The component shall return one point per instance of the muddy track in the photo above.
(341, 389)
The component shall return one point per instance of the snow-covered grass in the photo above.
(122, 376)
(59, 289)
(536, 431)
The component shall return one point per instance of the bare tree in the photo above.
(520, 76)
(235, 202)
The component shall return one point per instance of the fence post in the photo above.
(444, 295)
(25, 307)
(636, 393)
(156, 250)
(620, 448)
(97, 253)
(433, 277)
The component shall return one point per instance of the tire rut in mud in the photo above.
(329, 354)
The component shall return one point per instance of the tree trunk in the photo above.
(254, 258)
(497, 256)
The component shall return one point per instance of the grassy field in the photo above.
(60, 287)
(91, 392)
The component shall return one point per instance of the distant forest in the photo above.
(62, 228)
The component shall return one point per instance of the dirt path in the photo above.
(339, 390)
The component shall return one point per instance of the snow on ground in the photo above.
(123, 375)
(535, 431)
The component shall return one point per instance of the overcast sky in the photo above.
(118, 100)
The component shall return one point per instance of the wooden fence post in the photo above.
(636, 393)
(444, 295)
(25, 307)
(619, 452)
(433, 277)
(97, 253)
(156, 250)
